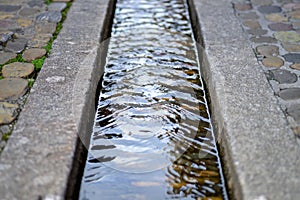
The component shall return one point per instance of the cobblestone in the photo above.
(26, 27)
(278, 48)
(8, 112)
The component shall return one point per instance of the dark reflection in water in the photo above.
(152, 137)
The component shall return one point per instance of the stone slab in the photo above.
(40, 157)
(262, 155)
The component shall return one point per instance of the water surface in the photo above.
(152, 136)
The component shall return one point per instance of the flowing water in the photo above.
(152, 137)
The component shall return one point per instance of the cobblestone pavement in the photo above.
(27, 30)
(273, 29)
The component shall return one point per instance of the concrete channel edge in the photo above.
(40, 160)
(261, 154)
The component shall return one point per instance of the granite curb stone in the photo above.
(259, 147)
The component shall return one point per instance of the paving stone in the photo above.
(9, 8)
(294, 111)
(5, 36)
(36, 3)
(62, 0)
(32, 54)
(12, 88)
(295, 66)
(58, 6)
(242, 6)
(7, 24)
(291, 47)
(292, 57)
(17, 69)
(45, 27)
(269, 9)
(290, 93)
(8, 112)
(287, 37)
(262, 2)
(6, 15)
(267, 50)
(272, 62)
(252, 24)
(291, 6)
(263, 39)
(6, 56)
(24, 22)
(280, 27)
(250, 15)
(257, 32)
(17, 45)
(282, 76)
(295, 14)
(275, 17)
(25, 12)
(50, 16)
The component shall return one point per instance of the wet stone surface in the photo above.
(278, 48)
(152, 136)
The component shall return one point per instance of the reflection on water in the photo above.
(152, 136)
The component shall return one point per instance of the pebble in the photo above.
(257, 32)
(295, 66)
(287, 37)
(12, 88)
(267, 50)
(263, 39)
(45, 28)
(292, 6)
(5, 36)
(243, 6)
(269, 9)
(50, 16)
(295, 14)
(283, 76)
(17, 69)
(291, 47)
(252, 24)
(58, 6)
(275, 17)
(292, 57)
(250, 15)
(294, 111)
(9, 8)
(36, 3)
(272, 62)
(262, 2)
(32, 54)
(17, 45)
(24, 22)
(290, 93)
(280, 27)
(25, 12)
(8, 112)
(6, 56)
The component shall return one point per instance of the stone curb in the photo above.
(37, 162)
(261, 152)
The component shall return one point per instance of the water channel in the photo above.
(152, 137)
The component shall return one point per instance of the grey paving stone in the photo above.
(294, 111)
(17, 69)
(36, 3)
(17, 45)
(292, 57)
(269, 9)
(50, 16)
(283, 76)
(9, 8)
(290, 93)
(280, 27)
(32, 54)
(25, 12)
(6, 56)
(12, 88)
(57, 6)
(8, 112)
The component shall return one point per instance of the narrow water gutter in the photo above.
(153, 107)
